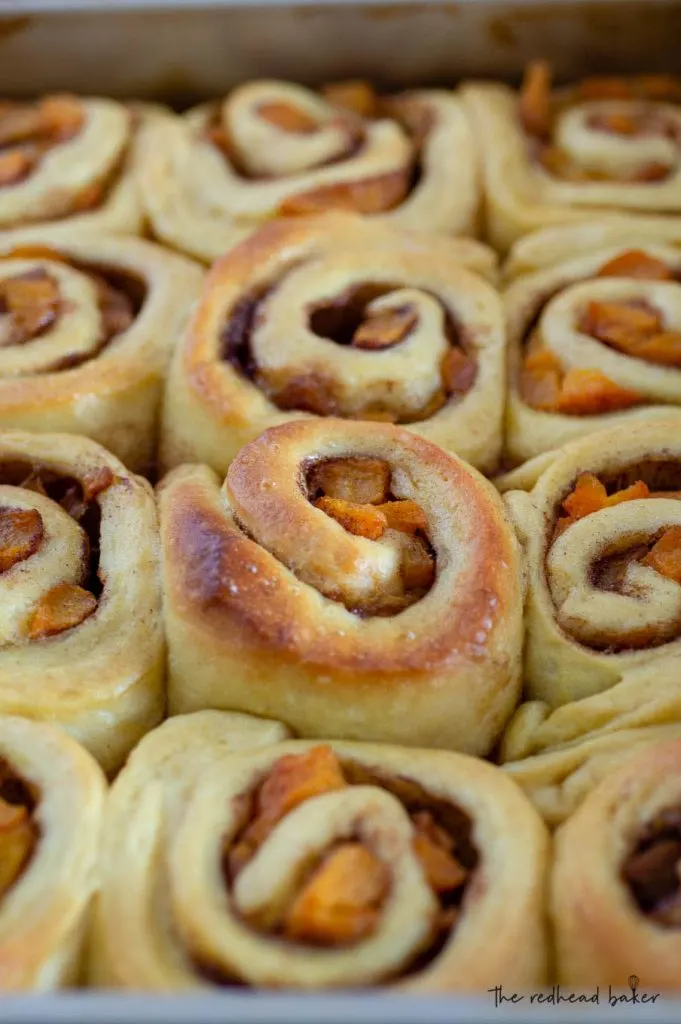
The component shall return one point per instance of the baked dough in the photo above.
(615, 879)
(177, 832)
(75, 161)
(603, 610)
(273, 148)
(52, 801)
(336, 315)
(81, 637)
(406, 633)
(592, 336)
(87, 334)
(596, 148)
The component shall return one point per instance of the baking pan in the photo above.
(181, 51)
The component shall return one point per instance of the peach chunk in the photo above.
(21, 531)
(341, 902)
(361, 520)
(61, 608)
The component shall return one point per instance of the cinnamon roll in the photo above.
(601, 530)
(87, 327)
(335, 316)
(51, 804)
(553, 245)
(351, 582)
(81, 640)
(73, 160)
(316, 866)
(593, 341)
(274, 149)
(616, 885)
(604, 145)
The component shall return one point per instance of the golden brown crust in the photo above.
(233, 593)
(254, 356)
(85, 374)
(180, 781)
(225, 169)
(602, 936)
(44, 915)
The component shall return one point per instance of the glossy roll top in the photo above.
(355, 583)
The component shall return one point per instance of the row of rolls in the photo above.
(388, 683)
(446, 162)
(390, 534)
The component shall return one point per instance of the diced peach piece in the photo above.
(361, 520)
(540, 378)
(62, 115)
(620, 323)
(15, 164)
(357, 96)
(637, 264)
(293, 779)
(21, 531)
(363, 481)
(373, 195)
(665, 555)
(385, 329)
(17, 838)
(590, 495)
(342, 900)
(535, 99)
(653, 172)
(61, 608)
(590, 392)
(459, 371)
(26, 290)
(663, 348)
(616, 123)
(31, 251)
(604, 88)
(405, 516)
(287, 117)
(97, 480)
(19, 123)
(443, 871)
(417, 565)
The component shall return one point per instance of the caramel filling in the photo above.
(652, 871)
(18, 828)
(340, 900)
(349, 322)
(28, 131)
(539, 109)
(634, 328)
(355, 492)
